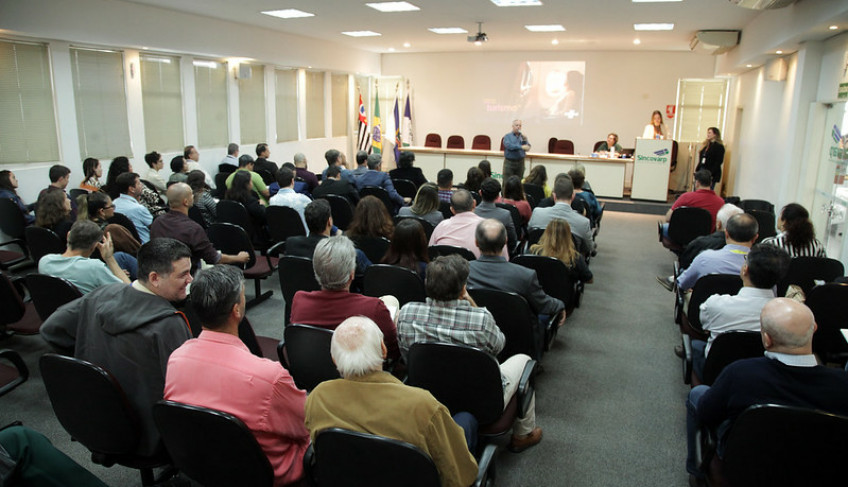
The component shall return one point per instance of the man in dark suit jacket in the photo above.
(376, 177)
(263, 164)
(787, 375)
(334, 184)
(406, 170)
(320, 222)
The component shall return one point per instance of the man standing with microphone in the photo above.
(515, 145)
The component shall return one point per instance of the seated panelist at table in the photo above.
(610, 146)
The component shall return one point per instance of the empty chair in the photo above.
(354, 459)
(762, 205)
(516, 320)
(563, 146)
(14, 375)
(551, 145)
(686, 224)
(455, 142)
(727, 348)
(437, 250)
(828, 305)
(433, 140)
(305, 351)
(49, 293)
(481, 142)
(101, 418)
(405, 188)
(400, 282)
(205, 444)
(234, 213)
(283, 222)
(221, 184)
(805, 271)
(765, 221)
(296, 274)
(232, 239)
(42, 241)
(18, 316)
(12, 223)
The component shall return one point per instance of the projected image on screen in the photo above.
(552, 90)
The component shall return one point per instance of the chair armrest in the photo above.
(687, 358)
(276, 249)
(20, 243)
(525, 387)
(705, 447)
(17, 361)
(309, 466)
(20, 285)
(485, 461)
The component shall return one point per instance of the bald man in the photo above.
(788, 374)
(176, 224)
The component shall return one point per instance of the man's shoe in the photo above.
(521, 443)
(678, 350)
(666, 283)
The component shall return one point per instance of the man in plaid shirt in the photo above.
(451, 316)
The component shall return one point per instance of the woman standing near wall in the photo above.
(711, 155)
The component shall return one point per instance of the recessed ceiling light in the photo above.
(778, 52)
(555, 42)
(833, 27)
(749, 65)
(654, 26)
(478, 43)
(361, 33)
(393, 6)
(448, 30)
(517, 3)
(545, 28)
(637, 41)
(406, 44)
(391, 49)
(205, 64)
(289, 13)
(655, 1)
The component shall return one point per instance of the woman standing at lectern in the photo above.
(656, 129)
(711, 155)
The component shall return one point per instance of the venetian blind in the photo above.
(340, 102)
(162, 102)
(315, 105)
(210, 88)
(701, 103)
(252, 106)
(286, 80)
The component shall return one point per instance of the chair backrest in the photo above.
(124, 221)
(226, 169)
(90, 404)
(296, 274)
(481, 142)
(729, 347)
(341, 209)
(373, 247)
(805, 271)
(551, 145)
(400, 282)
(221, 184)
(756, 205)
(428, 227)
(828, 305)
(455, 142)
(433, 140)
(307, 355)
(283, 222)
(11, 302)
(502, 145)
(765, 221)
(597, 144)
(405, 188)
(688, 223)
(381, 195)
(42, 241)
(515, 319)
(533, 236)
(197, 216)
(782, 445)
(205, 444)
(564, 146)
(12, 221)
(266, 175)
(232, 239)
(76, 192)
(707, 286)
(516, 217)
(553, 276)
(357, 459)
(445, 209)
(462, 378)
(49, 293)
(534, 190)
(235, 213)
(146, 183)
(438, 250)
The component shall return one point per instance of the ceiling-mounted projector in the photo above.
(480, 36)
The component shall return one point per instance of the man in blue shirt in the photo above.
(336, 158)
(130, 186)
(515, 145)
(376, 177)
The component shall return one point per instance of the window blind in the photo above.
(252, 106)
(162, 102)
(210, 87)
(701, 103)
(340, 102)
(286, 104)
(315, 105)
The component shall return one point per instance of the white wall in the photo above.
(621, 90)
(129, 27)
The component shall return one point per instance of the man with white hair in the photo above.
(384, 406)
(788, 375)
(334, 263)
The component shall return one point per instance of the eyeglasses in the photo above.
(108, 207)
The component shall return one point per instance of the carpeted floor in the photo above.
(610, 400)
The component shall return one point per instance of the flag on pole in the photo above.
(397, 129)
(364, 134)
(376, 137)
(406, 131)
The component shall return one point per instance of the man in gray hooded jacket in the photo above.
(131, 330)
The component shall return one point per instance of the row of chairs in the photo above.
(484, 142)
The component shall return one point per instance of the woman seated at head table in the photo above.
(610, 146)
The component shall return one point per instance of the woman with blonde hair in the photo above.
(711, 155)
(557, 242)
(656, 129)
(426, 205)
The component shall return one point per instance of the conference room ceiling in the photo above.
(590, 24)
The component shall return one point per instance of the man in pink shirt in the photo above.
(217, 371)
(702, 197)
(459, 230)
